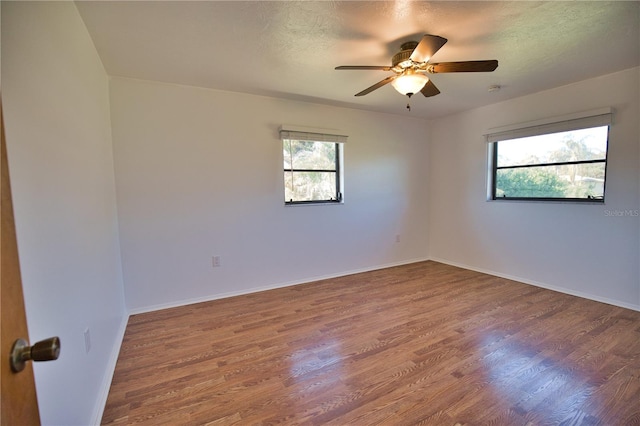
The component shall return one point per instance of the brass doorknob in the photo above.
(45, 350)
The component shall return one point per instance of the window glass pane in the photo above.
(576, 145)
(309, 186)
(286, 153)
(309, 155)
(567, 181)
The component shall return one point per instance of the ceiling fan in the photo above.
(412, 63)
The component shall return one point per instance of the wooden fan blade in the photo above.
(364, 67)
(465, 66)
(377, 85)
(427, 47)
(429, 89)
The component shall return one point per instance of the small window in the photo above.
(550, 165)
(312, 168)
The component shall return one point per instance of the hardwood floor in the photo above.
(425, 343)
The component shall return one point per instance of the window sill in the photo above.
(313, 203)
(547, 201)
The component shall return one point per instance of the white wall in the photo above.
(579, 249)
(199, 173)
(56, 109)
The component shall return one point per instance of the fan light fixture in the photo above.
(410, 83)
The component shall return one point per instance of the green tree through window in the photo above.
(534, 183)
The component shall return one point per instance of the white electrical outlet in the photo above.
(87, 340)
(397, 238)
(215, 261)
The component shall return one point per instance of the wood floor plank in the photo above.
(424, 343)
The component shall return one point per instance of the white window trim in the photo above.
(312, 134)
(565, 123)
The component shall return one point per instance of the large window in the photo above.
(561, 161)
(312, 167)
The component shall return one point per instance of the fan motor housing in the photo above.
(406, 49)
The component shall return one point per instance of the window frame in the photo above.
(599, 118)
(337, 171)
(306, 134)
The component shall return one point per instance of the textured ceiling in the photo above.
(290, 49)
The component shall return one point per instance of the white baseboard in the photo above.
(541, 285)
(265, 288)
(101, 402)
